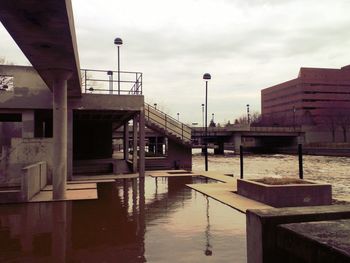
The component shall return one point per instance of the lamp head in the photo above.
(118, 41)
(206, 76)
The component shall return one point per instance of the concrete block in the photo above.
(322, 242)
(262, 227)
(288, 195)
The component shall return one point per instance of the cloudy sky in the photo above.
(246, 45)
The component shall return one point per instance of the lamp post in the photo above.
(118, 42)
(110, 75)
(206, 77)
(202, 115)
(248, 115)
(155, 105)
(212, 117)
(178, 118)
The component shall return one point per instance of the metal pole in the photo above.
(118, 72)
(202, 118)
(300, 153)
(206, 127)
(241, 159)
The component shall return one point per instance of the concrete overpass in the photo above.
(44, 31)
(231, 137)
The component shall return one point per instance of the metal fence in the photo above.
(107, 82)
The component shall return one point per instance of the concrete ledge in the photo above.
(322, 242)
(262, 227)
(288, 195)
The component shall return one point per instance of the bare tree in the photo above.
(255, 118)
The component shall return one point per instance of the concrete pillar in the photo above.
(126, 141)
(28, 124)
(59, 173)
(237, 139)
(70, 145)
(219, 149)
(134, 150)
(142, 143)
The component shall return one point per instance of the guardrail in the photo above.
(167, 123)
(103, 82)
(34, 179)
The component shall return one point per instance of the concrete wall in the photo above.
(29, 90)
(262, 227)
(179, 156)
(25, 151)
(34, 179)
(107, 102)
(316, 134)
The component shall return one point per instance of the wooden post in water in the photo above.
(241, 159)
(300, 154)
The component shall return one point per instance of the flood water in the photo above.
(150, 220)
(326, 169)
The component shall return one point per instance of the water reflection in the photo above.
(144, 220)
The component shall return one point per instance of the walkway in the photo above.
(223, 191)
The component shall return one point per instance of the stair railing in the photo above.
(168, 123)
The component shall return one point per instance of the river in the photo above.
(325, 169)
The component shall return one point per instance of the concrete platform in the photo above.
(74, 192)
(102, 178)
(224, 193)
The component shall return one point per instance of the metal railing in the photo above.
(168, 123)
(103, 82)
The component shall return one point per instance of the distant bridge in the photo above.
(231, 137)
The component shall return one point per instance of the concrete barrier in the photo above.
(296, 194)
(34, 179)
(262, 228)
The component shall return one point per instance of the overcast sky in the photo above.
(246, 45)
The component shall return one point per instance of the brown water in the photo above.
(133, 221)
(326, 169)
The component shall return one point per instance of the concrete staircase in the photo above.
(167, 125)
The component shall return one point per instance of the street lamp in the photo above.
(206, 77)
(118, 42)
(248, 115)
(178, 118)
(110, 75)
(155, 105)
(212, 117)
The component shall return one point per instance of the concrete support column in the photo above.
(134, 150)
(59, 174)
(70, 145)
(237, 139)
(28, 124)
(142, 143)
(126, 141)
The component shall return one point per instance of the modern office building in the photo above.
(318, 97)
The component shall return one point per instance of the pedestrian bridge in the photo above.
(232, 136)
